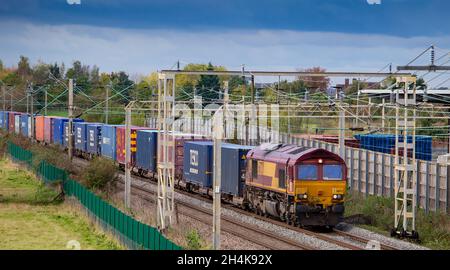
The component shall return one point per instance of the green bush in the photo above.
(433, 228)
(100, 174)
(53, 155)
(194, 240)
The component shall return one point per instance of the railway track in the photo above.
(252, 234)
(361, 239)
(348, 243)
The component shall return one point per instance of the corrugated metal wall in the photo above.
(372, 173)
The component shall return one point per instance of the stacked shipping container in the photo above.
(385, 143)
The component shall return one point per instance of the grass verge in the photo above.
(433, 228)
(31, 219)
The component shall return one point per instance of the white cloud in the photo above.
(74, 2)
(143, 51)
(374, 2)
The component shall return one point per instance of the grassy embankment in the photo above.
(433, 228)
(31, 219)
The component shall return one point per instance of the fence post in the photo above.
(427, 187)
(419, 177)
(375, 174)
(367, 173)
(351, 169)
(447, 201)
(391, 176)
(382, 174)
(437, 188)
(359, 170)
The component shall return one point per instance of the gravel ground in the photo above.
(300, 237)
(233, 242)
(184, 225)
(400, 244)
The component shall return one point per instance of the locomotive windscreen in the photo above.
(332, 172)
(307, 172)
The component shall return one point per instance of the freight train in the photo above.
(299, 185)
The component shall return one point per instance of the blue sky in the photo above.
(142, 36)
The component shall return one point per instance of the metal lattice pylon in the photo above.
(405, 167)
(166, 150)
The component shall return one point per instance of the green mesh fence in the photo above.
(130, 231)
(20, 154)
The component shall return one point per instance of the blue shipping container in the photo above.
(233, 167)
(94, 137)
(198, 163)
(25, 125)
(385, 143)
(3, 122)
(146, 149)
(80, 136)
(65, 124)
(58, 130)
(108, 144)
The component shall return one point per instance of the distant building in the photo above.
(347, 85)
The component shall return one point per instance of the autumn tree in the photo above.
(23, 68)
(315, 83)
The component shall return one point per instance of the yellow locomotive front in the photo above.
(319, 185)
(300, 185)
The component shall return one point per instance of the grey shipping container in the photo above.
(197, 163)
(146, 150)
(233, 168)
(80, 136)
(94, 136)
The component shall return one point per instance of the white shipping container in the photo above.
(29, 127)
(17, 124)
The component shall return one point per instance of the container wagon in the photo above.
(39, 128)
(4, 120)
(180, 139)
(58, 130)
(80, 134)
(197, 166)
(65, 143)
(17, 123)
(12, 121)
(385, 143)
(108, 145)
(233, 164)
(94, 139)
(48, 132)
(25, 125)
(146, 147)
(120, 144)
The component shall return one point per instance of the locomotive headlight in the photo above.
(302, 196)
(338, 196)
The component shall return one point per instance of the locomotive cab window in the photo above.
(281, 178)
(307, 172)
(254, 169)
(332, 172)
